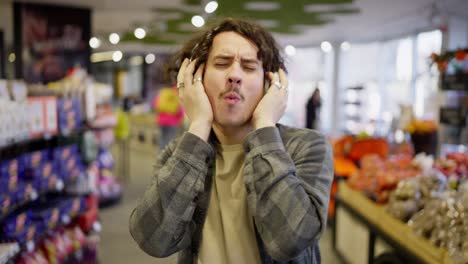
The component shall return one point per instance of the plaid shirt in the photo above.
(288, 174)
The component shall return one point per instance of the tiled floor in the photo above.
(117, 246)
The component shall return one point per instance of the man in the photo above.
(237, 187)
(312, 110)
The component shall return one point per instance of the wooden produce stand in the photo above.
(409, 247)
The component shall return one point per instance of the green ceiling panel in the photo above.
(288, 16)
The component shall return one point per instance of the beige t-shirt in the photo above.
(228, 234)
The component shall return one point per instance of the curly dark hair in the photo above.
(199, 46)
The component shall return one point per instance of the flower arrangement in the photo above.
(451, 62)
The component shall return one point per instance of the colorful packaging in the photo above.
(48, 216)
(62, 154)
(5, 204)
(9, 168)
(34, 159)
(24, 192)
(16, 223)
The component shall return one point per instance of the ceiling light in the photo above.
(117, 56)
(140, 33)
(150, 58)
(290, 50)
(11, 57)
(114, 38)
(211, 7)
(94, 43)
(326, 46)
(345, 46)
(198, 21)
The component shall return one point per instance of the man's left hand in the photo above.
(273, 104)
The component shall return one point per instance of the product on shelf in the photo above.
(443, 221)
(412, 194)
(40, 126)
(378, 177)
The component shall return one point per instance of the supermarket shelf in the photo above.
(110, 201)
(408, 245)
(14, 149)
(35, 197)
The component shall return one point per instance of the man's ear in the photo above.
(266, 84)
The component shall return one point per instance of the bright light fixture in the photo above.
(117, 56)
(326, 46)
(94, 43)
(198, 21)
(139, 33)
(211, 7)
(150, 58)
(114, 38)
(345, 46)
(11, 57)
(290, 50)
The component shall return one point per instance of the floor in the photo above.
(117, 246)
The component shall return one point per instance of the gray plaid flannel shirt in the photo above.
(288, 174)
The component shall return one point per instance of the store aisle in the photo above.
(117, 246)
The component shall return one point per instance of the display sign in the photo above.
(457, 82)
(50, 40)
(451, 116)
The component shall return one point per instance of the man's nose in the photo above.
(235, 80)
(235, 75)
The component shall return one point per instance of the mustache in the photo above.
(232, 90)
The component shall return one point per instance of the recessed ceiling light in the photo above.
(345, 46)
(114, 38)
(290, 50)
(211, 7)
(150, 58)
(94, 43)
(198, 21)
(139, 33)
(117, 56)
(326, 46)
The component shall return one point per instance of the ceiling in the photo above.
(296, 22)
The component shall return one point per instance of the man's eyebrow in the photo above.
(223, 57)
(248, 60)
(243, 60)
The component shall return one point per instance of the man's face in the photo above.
(233, 79)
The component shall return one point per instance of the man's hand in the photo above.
(272, 106)
(194, 99)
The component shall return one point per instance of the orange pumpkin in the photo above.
(344, 167)
(363, 147)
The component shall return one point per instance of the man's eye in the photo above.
(221, 64)
(250, 68)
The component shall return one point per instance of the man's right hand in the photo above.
(194, 99)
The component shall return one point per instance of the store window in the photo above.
(306, 71)
(426, 83)
(388, 74)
